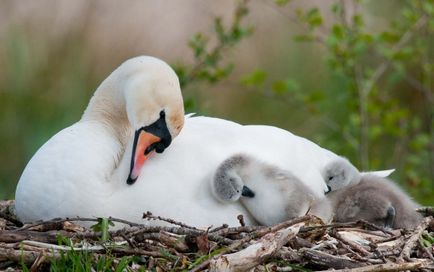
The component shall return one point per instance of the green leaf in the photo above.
(338, 31)
(336, 8)
(388, 37)
(304, 38)
(314, 18)
(428, 7)
(255, 79)
(281, 2)
(279, 87)
(315, 96)
(359, 47)
(219, 29)
(103, 226)
(283, 86)
(420, 142)
(403, 54)
(198, 44)
(292, 84)
(358, 20)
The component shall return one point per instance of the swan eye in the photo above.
(162, 114)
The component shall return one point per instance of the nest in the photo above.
(303, 244)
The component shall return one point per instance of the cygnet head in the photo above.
(143, 94)
(376, 200)
(227, 183)
(340, 173)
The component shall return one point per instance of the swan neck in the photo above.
(107, 106)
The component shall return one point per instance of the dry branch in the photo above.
(256, 253)
(414, 238)
(305, 241)
(390, 267)
(327, 260)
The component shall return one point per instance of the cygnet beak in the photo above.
(147, 139)
(247, 192)
(390, 218)
(328, 189)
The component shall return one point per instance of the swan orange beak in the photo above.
(142, 150)
(147, 139)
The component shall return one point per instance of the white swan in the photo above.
(84, 169)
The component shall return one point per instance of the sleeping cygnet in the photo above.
(376, 200)
(272, 195)
(340, 173)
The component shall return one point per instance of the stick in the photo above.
(389, 267)
(27, 257)
(256, 253)
(10, 219)
(414, 238)
(353, 245)
(427, 211)
(148, 215)
(256, 234)
(327, 260)
(77, 219)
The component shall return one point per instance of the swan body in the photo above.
(172, 184)
(105, 164)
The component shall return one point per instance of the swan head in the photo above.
(154, 108)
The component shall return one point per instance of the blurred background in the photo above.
(355, 77)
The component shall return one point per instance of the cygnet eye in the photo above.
(331, 177)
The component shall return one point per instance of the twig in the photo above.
(148, 215)
(224, 226)
(240, 218)
(220, 46)
(370, 232)
(348, 224)
(327, 260)
(256, 253)
(37, 263)
(388, 267)
(319, 36)
(353, 245)
(131, 243)
(178, 230)
(256, 234)
(414, 238)
(11, 219)
(427, 211)
(427, 252)
(383, 67)
(137, 251)
(77, 219)
(86, 247)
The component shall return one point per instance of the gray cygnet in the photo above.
(269, 193)
(340, 173)
(376, 200)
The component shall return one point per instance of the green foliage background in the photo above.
(361, 89)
